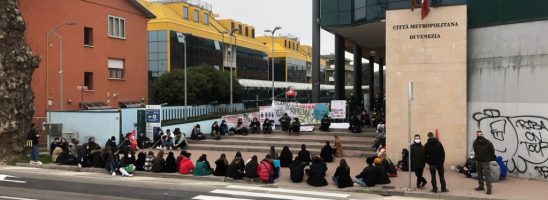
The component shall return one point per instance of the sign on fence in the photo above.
(308, 113)
(232, 120)
(153, 119)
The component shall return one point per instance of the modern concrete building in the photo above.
(474, 65)
(95, 56)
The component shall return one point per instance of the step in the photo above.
(266, 149)
(332, 133)
(302, 138)
(290, 143)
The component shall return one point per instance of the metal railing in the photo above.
(178, 112)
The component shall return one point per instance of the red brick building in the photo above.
(104, 48)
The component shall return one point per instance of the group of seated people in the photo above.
(497, 168)
(288, 126)
(120, 159)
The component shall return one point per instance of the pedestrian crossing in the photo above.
(242, 192)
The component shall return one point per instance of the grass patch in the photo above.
(25, 158)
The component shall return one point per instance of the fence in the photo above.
(178, 112)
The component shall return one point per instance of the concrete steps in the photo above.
(291, 143)
(266, 149)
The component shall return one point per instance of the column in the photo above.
(315, 51)
(371, 83)
(381, 108)
(339, 68)
(357, 79)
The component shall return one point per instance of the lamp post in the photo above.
(48, 34)
(273, 31)
(231, 66)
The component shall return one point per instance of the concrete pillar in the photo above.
(339, 68)
(357, 79)
(381, 86)
(371, 83)
(315, 51)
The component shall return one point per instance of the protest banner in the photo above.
(308, 113)
(338, 109)
(232, 120)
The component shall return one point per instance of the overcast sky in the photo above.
(294, 16)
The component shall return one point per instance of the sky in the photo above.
(294, 16)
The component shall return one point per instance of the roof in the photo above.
(252, 83)
(141, 8)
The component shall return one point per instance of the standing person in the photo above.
(418, 161)
(435, 157)
(338, 147)
(326, 122)
(484, 153)
(32, 139)
(285, 121)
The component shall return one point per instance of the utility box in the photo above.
(54, 130)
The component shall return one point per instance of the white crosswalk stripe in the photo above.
(243, 192)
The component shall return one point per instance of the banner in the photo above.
(266, 112)
(232, 120)
(338, 109)
(308, 113)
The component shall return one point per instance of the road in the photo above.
(20, 183)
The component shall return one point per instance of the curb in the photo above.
(383, 191)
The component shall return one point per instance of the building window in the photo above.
(253, 33)
(196, 16)
(359, 9)
(246, 31)
(240, 29)
(115, 68)
(116, 27)
(88, 80)
(88, 36)
(206, 18)
(285, 43)
(185, 12)
(232, 26)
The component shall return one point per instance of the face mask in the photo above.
(417, 141)
(129, 156)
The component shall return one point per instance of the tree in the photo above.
(16, 67)
(205, 85)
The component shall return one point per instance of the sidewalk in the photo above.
(459, 186)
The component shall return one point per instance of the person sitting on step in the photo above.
(267, 126)
(325, 123)
(241, 127)
(295, 126)
(197, 133)
(255, 125)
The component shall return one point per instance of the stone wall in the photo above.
(16, 67)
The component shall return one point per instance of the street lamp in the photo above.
(48, 101)
(273, 31)
(232, 65)
(48, 34)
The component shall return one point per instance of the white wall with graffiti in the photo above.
(507, 94)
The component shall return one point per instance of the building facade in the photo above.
(95, 57)
(475, 65)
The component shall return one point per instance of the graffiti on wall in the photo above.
(522, 141)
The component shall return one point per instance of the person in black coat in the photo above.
(327, 152)
(97, 158)
(368, 177)
(418, 160)
(140, 162)
(65, 158)
(325, 123)
(285, 121)
(143, 141)
(53, 144)
(255, 125)
(236, 169)
(295, 126)
(170, 166)
(316, 172)
(296, 170)
(221, 166)
(158, 163)
(304, 155)
(355, 126)
(342, 175)
(435, 157)
(223, 128)
(286, 157)
(267, 126)
(112, 144)
(215, 131)
(251, 169)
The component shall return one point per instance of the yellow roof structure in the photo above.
(169, 16)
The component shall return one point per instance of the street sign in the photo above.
(152, 114)
(3, 178)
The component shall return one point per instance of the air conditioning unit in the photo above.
(70, 135)
(54, 130)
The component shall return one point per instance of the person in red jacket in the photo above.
(265, 171)
(186, 165)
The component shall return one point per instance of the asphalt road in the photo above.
(20, 183)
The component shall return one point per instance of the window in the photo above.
(246, 31)
(240, 29)
(206, 18)
(88, 80)
(115, 68)
(359, 9)
(232, 26)
(116, 27)
(253, 33)
(185, 12)
(285, 43)
(196, 16)
(88, 36)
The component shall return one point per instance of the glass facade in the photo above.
(279, 69)
(157, 55)
(200, 51)
(251, 64)
(296, 70)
